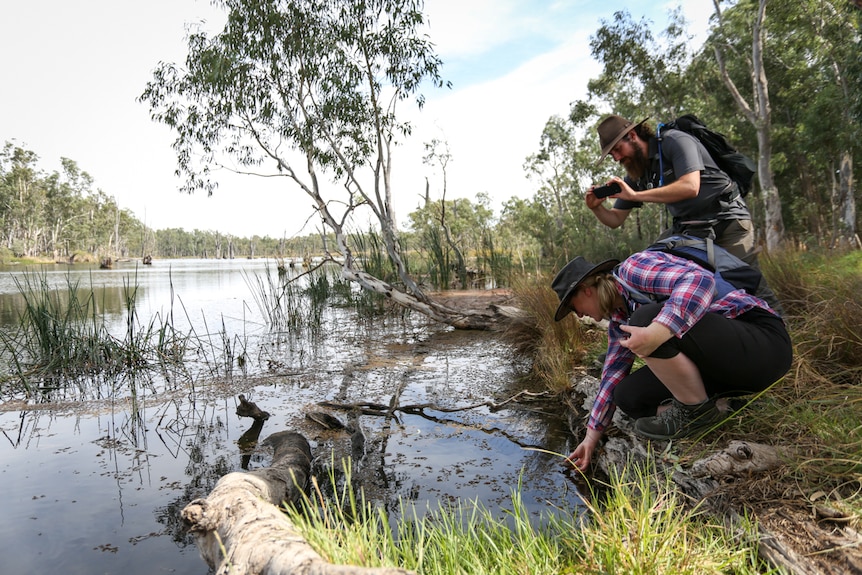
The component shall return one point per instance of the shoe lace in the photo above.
(674, 415)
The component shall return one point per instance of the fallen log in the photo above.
(240, 529)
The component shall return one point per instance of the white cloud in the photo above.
(460, 30)
(73, 72)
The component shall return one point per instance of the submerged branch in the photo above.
(367, 408)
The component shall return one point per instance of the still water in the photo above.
(94, 481)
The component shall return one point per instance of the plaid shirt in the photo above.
(690, 291)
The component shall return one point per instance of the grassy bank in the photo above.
(638, 525)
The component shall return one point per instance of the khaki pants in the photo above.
(737, 237)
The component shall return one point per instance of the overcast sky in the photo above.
(73, 69)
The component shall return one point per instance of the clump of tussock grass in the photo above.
(817, 407)
(555, 347)
(823, 310)
(642, 524)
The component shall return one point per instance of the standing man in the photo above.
(701, 199)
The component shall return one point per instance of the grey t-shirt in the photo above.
(682, 153)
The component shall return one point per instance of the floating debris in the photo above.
(326, 420)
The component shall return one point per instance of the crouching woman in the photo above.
(698, 346)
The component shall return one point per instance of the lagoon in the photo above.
(95, 478)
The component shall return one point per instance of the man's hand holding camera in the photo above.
(596, 195)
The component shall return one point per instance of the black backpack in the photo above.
(735, 164)
(731, 273)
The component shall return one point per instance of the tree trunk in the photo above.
(239, 528)
(844, 205)
(760, 117)
(483, 319)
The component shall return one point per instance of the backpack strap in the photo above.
(635, 295)
(707, 244)
(659, 138)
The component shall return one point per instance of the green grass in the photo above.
(637, 526)
(815, 410)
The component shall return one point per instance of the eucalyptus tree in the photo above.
(22, 186)
(438, 155)
(65, 207)
(307, 90)
(643, 72)
(757, 110)
(562, 169)
(823, 89)
(807, 56)
(554, 167)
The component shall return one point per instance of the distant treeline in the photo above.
(61, 215)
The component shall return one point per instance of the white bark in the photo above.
(239, 528)
(760, 117)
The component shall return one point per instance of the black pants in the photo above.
(737, 356)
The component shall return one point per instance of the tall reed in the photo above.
(278, 299)
(438, 261)
(373, 256)
(62, 335)
(497, 262)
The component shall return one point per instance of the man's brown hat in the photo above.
(612, 130)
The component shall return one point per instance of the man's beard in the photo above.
(637, 166)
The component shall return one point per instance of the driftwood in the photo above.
(739, 458)
(369, 408)
(248, 408)
(239, 527)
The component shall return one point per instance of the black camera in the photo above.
(609, 190)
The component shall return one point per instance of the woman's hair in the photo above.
(606, 287)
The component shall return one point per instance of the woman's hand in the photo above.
(642, 341)
(582, 456)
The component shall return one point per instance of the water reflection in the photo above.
(96, 479)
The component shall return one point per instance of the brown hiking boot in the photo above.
(679, 420)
